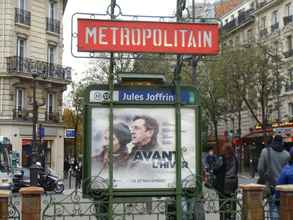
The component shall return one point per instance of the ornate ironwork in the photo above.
(22, 16)
(13, 204)
(287, 19)
(52, 116)
(194, 205)
(53, 25)
(43, 69)
(22, 114)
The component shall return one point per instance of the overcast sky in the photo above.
(135, 7)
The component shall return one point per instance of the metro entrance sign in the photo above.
(141, 36)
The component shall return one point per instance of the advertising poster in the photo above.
(143, 146)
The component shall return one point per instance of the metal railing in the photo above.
(23, 114)
(263, 32)
(287, 19)
(22, 16)
(52, 116)
(275, 27)
(288, 53)
(53, 25)
(43, 69)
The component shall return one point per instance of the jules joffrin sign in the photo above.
(154, 37)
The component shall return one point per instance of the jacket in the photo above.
(278, 159)
(286, 176)
(221, 183)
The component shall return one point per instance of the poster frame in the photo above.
(87, 191)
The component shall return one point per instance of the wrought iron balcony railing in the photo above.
(22, 114)
(274, 27)
(245, 16)
(263, 32)
(52, 116)
(230, 25)
(22, 16)
(287, 19)
(53, 25)
(289, 53)
(43, 69)
(289, 86)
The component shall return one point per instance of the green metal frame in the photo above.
(139, 192)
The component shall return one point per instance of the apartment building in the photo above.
(269, 22)
(31, 48)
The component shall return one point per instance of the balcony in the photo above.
(53, 116)
(53, 25)
(22, 115)
(289, 53)
(22, 17)
(275, 27)
(45, 70)
(245, 16)
(230, 25)
(289, 86)
(287, 19)
(263, 32)
(262, 4)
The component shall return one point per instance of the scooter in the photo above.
(50, 181)
(46, 179)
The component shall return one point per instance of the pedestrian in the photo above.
(66, 167)
(227, 182)
(272, 159)
(286, 176)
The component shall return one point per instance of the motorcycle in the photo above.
(46, 179)
(50, 181)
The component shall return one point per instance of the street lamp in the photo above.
(34, 169)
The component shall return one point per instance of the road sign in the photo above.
(155, 37)
(70, 133)
(41, 131)
(143, 95)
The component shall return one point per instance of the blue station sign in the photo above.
(69, 133)
(143, 95)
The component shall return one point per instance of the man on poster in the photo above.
(144, 132)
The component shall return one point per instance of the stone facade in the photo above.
(270, 22)
(31, 44)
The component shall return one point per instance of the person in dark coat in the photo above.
(227, 182)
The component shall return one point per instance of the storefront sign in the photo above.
(145, 95)
(142, 158)
(142, 36)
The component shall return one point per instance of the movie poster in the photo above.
(143, 146)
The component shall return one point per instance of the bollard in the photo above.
(252, 201)
(31, 203)
(4, 195)
(286, 201)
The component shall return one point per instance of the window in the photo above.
(51, 10)
(249, 35)
(289, 43)
(290, 109)
(19, 100)
(51, 59)
(50, 104)
(21, 4)
(20, 47)
(51, 54)
(274, 17)
(20, 53)
(288, 9)
(263, 23)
